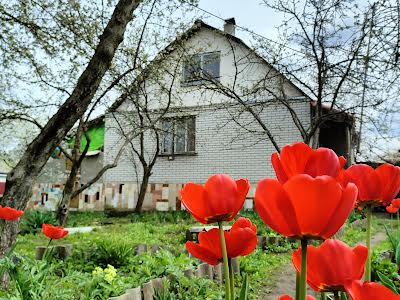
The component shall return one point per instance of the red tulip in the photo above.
(299, 158)
(10, 214)
(241, 240)
(305, 207)
(369, 291)
(54, 232)
(324, 273)
(287, 297)
(396, 203)
(378, 187)
(392, 209)
(220, 199)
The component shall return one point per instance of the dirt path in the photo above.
(286, 279)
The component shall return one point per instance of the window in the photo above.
(178, 135)
(86, 198)
(200, 67)
(120, 188)
(97, 195)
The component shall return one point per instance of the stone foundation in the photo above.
(121, 196)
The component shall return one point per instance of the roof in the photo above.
(95, 130)
(197, 26)
(4, 167)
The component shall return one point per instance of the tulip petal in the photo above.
(240, 242)
(307, 195)
(341, 212)
(324, 273)
(210, 240)
(275, 208)
(243, 223)
(369, 291)
(202, 253)
(389, 175)
(192, 198)
(221, 194)
(294, 158)
(322, 161)
(366, 180)
(243, 187)
(279, 171)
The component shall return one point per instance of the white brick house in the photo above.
(217, 136)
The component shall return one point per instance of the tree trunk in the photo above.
(63, 208)
(22, 177)
(142, 190)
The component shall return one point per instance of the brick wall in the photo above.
(222, 146)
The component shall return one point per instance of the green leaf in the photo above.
(397, 254)
(343, 296)
(394, 239)
(387, 282)
(245, 288)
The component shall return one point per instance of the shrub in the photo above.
(112, 252)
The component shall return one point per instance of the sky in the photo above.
(250, 14)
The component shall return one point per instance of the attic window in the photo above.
(200, 68)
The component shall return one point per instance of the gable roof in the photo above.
(196, 27)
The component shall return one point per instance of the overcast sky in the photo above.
(250, 14)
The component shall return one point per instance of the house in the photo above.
(210, 73)
(47, 191)
(4, 169)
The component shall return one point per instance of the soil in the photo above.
(285, 278)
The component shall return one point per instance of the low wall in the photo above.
(121, 196)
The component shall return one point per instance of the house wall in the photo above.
(222, 146)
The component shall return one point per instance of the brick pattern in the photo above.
(222, 146)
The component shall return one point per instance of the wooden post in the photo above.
(218, 273)
(135, 294)
(188, 273)
(40, 252)
(141, 249)
(261, 242)
(148, 291)
(235, 264)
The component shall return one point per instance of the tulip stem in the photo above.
(303, 274)
(232, 279)
(336, 295)
(225, 261)
(46, 252)
(297, 286)
(368, 266)
(323, 296)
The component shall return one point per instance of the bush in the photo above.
(33, 220)
(102, 253)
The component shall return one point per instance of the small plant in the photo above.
(112, 252)
(33, 220)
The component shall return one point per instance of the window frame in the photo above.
(197, 81)
(188, 140)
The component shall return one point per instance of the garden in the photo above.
(312, 217)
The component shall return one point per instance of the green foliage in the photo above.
(182, 288)
(383, 267)
(244, 292)
(162, 217)
(33, 220)
(112, 252)
(386, 281)
(355, 215)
